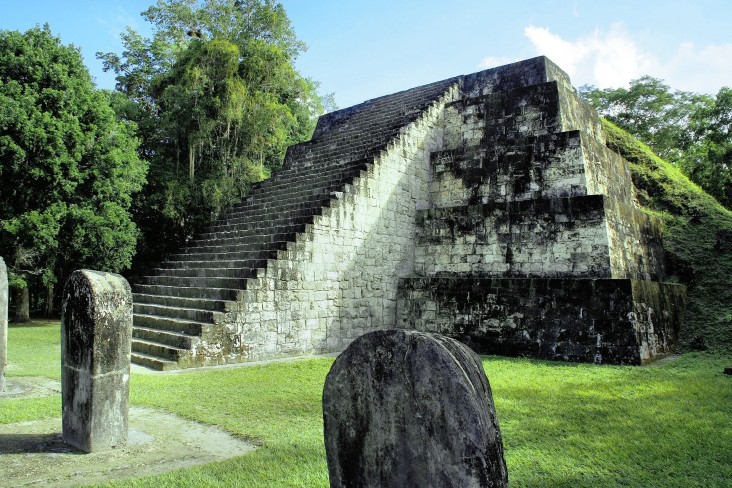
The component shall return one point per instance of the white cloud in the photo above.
(603, 58)
(705, 70)
(613, 59)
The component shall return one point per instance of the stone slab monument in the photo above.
(96, 331)
(411, 409)
(3, 322)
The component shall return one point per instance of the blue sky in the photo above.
(361, 50)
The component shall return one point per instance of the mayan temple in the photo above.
(485, 207)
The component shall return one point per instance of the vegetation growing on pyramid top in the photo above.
(697, 240)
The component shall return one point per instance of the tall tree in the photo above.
(68, 167)
(691, 130)
(708, 162)
(650, 111)
(217, 100)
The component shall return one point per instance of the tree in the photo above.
(69, 168)
(217, 100)
(650, 111)
(709, 160)
(690, 130)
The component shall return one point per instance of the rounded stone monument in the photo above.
(411, 409)
(96, 330)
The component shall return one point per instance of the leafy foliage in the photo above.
(217, 101)
(697, 240)
(688, 129)
(68, 167)
(709, 161)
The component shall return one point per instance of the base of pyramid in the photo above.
(608, 321)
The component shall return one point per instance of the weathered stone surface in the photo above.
(96, 328)
(411, 409)
(614, 321)
(3, 322)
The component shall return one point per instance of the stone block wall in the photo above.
(588, 320)
(550, 238)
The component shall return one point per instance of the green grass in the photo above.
(697, 240)
(32, 344)
(34, 349)
(585, 425)
(564, 425)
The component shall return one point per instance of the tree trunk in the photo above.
(49, 301)
(22, 305)
(191, 162)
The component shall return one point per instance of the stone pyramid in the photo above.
(485, 207)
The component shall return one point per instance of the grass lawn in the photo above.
(664, 425)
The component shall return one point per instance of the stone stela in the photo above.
(3, 322)
(96, 328)
(407, 408)
(485, 207)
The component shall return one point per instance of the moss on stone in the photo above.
(697, 231)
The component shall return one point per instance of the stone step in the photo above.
(275, 215)
(285, 205)
(180, 302)
(232, 263)
(254, 221)
(294, 194)
(156, 349)
(252, 262)
(239, 244)
(302, 183)
(252, 242)
(342, 148)
(153, 362)
(234, 232)
(227, 294)
(206, 272)
(195, 281)
(183, 313)
(304, 186)
(170, 324)
(249, 244)
(288, 198)
(173, 339)
(308, 182)
(308, 176)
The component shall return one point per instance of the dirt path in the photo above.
(34, 454)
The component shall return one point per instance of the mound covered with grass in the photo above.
(697, 240)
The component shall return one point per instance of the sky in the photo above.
(360, 50)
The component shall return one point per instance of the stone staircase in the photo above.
(179, 304)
